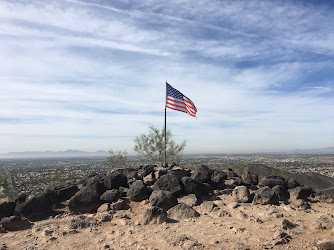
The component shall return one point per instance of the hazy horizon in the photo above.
(90, 75)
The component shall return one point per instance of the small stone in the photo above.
(324, 245)
(48, 232)
(288, 224)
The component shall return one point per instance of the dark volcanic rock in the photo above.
(138, 191)
(154, 215)
(7, 209)
(179, 173)
(14, 223)
(300, 193)
(181, 212)
(149, 179)
(218, 178)
(241, 194)
(110, 195)
(115, 179)
(169, 183)
(160, 172)
(191, 186)
(250, 178)
(163, 199)
(207, 189)
(20, 197)
(272, 181)
(286, 224)
(87, 200)
(324, 245)
(230, 173)
(145, 170)
(64, 191)
(265, 196)
(282, 192)
(202, 174)
(292, 183)
(123, 191)
(38, 205)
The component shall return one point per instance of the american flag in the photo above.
(177, 101)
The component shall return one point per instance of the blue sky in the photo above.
(90, 75)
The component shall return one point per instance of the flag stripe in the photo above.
(177, 101)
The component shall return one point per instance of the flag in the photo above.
(177, 101)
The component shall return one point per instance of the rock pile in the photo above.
(172, 193)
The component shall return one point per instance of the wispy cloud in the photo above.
(92, 73)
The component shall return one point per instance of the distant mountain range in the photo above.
(51, 154)
(329, 150)
(101, 153)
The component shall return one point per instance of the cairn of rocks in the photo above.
(171, 191)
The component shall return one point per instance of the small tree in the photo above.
(117, 160)
(150, 147)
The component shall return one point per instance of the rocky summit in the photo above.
(174, 207)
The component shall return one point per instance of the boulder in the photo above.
(168, 183)
(182, 212)
(119, 205)
(190, 200)
(149, 179)
(160, 172)
(302, 204)
(154, 215)
(14, 223)
(281, 192)
(241, 194)
(265, 196)
(163, 199)
(218, 178)
(145, 170)
(132, 177)
(38, 205)
(123, 191)
(96, 179)
(179, 173)
(87, 200)
(138, 191)
(110, 196)
(324, 245)
(7, 209)
(250, 178)
(207, 206)
(300, 193)
(202, 174)
(292, 183)
(191, 186)
(207, 189)
(230, 173)
(20, 197)
(115, 179)
(272, 181)
(64, 191)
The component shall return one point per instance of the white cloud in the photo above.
(87, 75)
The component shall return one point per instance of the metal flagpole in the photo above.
(165, 159)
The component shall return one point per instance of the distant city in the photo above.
(34, 175)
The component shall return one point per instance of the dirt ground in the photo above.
(245, 227)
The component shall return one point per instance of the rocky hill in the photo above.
(171, 208)
(318, 182)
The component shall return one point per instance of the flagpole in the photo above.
(165, 160)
